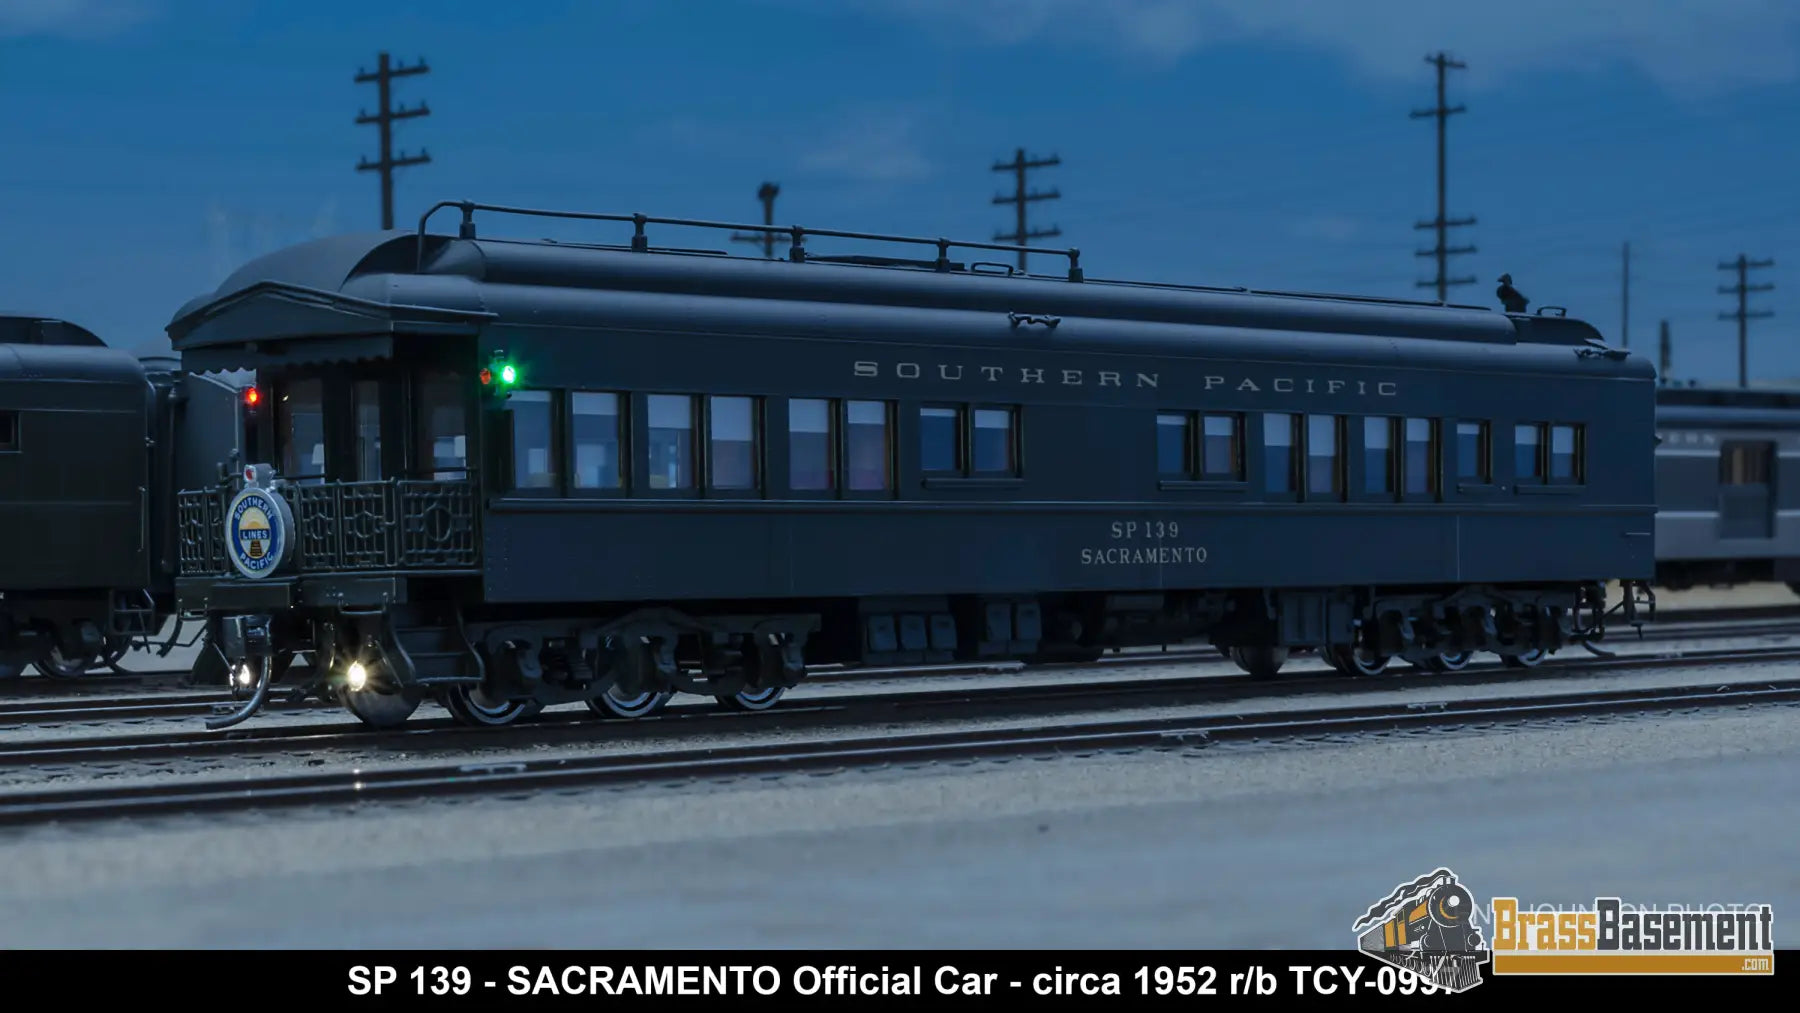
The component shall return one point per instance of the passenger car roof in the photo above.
(25, 329)
(347, 297)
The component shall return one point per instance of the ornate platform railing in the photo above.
(399, 524)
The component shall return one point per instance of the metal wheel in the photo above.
(377, 709)
(1530, 659)
(471, 705)
(116, 650)
(753, 699)
(611, 704)
(56, 665)
(1450, 662)
(1261, 662)
(1356, 661)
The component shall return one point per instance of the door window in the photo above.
(300, 428)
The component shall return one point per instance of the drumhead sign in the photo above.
(258, 531)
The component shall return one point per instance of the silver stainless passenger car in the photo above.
(1727, 486)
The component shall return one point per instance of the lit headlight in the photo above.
(357, 676)
(245, 677)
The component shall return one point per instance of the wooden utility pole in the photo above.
(1020, 234)
(1742, 265)
(1442, 223)
(383, 77)
(767, 194)
(1625, 301)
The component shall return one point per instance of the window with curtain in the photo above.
(671, 440)
(598, 439)
(810, 445)
(534, 443)
(731, 453)
(868, 446)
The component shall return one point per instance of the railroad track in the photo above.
(172, 703)
(93, 682)
(1727, 614)
(577, 727)
(860, 751)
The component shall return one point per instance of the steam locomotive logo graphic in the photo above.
(256, 529)
(1427, 927)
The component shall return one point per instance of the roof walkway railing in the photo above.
(797, 253)
(640, 241)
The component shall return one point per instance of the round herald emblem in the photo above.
(256, 531)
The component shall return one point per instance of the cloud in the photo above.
(218, 236)
(1686, 45)
(235, 237)
(866, 143)
(1330, 228)
(690, 134)
(71, 19)
(325, 223)
(871, 145)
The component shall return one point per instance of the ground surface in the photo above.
(1261, 848)
(1273, 847)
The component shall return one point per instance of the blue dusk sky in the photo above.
(148, 147)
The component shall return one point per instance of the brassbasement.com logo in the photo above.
(1618, 938)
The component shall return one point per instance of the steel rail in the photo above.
(856, 752)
